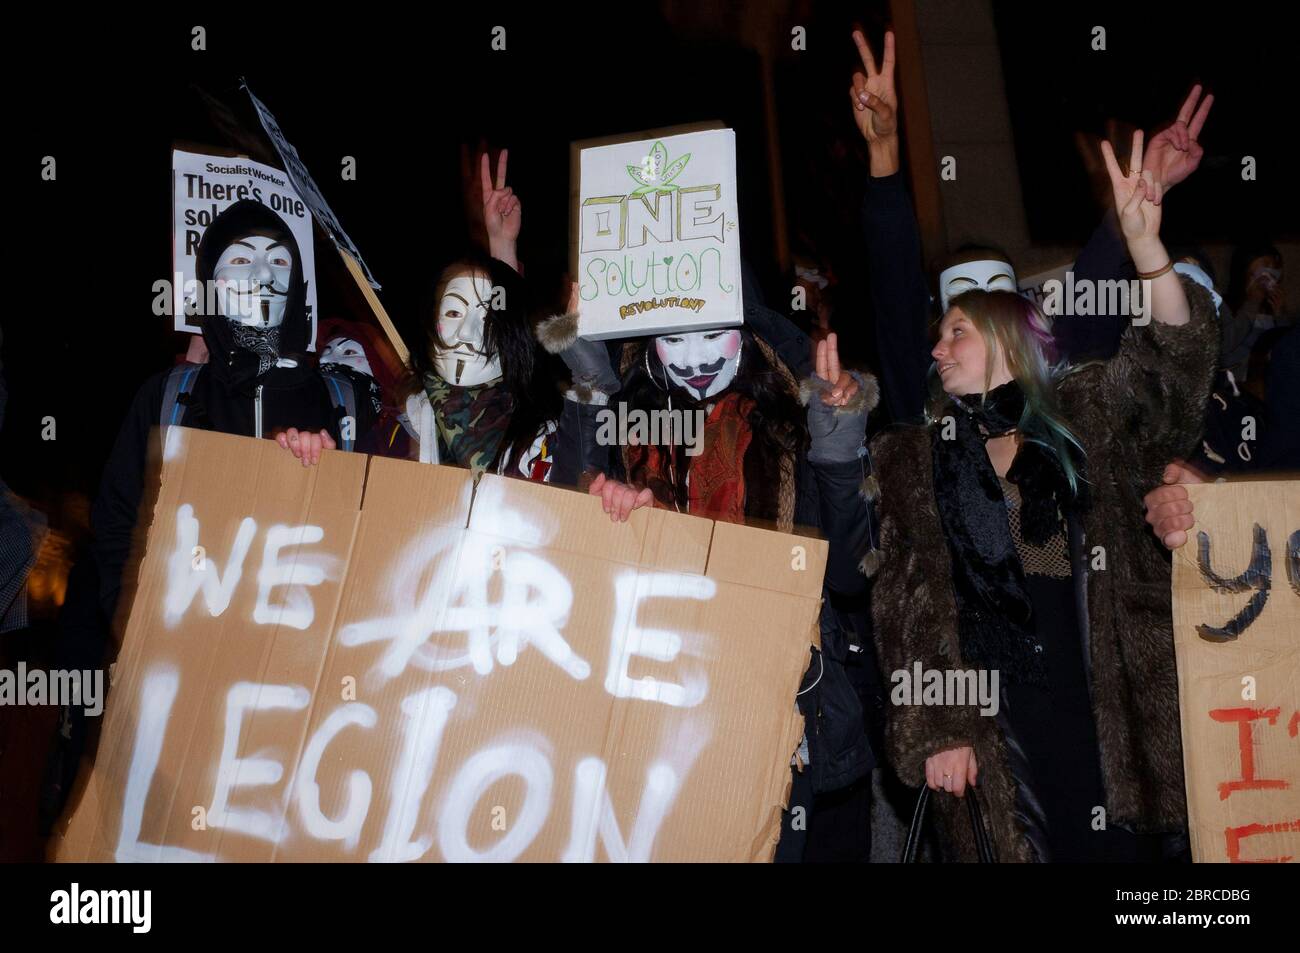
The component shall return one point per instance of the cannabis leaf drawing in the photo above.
(656, 173)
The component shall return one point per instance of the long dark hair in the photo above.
(528, 373)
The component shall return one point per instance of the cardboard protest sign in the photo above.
(306, 186)
(377, 660)
(204, 186)
(1236, 587)
(657, 234)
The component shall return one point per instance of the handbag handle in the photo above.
(983, 845)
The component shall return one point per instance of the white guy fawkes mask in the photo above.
(253, 274)
(988, 275)
(703, 362)
(348, 352)
(462, 314)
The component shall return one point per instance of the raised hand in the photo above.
(1087, 144)
(875, 102)
(502, 212)
(837, 423)
(1137, 200)
(1137, 195)
(842, 385)
(1174, 153)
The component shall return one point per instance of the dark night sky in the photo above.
(400, 95)
(1243, 54)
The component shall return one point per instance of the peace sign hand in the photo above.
(1137, 195)
(502, 212)
(875, 102)
(1174, 153)
(837, 423)
(842, 385)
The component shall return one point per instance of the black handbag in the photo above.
(983, 843)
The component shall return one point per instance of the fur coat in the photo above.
(1132, 414)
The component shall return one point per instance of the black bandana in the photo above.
(262, 343)
(994, 610)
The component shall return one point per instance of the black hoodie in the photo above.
(225, 396)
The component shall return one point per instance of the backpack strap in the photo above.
(343, 396)
(180, 380)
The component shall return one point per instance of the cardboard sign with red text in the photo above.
(1236, 587)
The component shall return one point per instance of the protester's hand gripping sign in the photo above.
(1236, 591)
(657, 235)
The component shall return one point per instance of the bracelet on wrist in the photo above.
(1148, 275)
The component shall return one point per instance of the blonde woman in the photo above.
(1013, 544)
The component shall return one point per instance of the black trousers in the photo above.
(834, 827)
(1054, 723)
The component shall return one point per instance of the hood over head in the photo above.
(234, 356)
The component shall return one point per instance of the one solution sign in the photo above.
(659, 242)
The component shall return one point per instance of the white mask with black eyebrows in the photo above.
(462, 323)
(349, 353)
(253, 275)
(987, 275)
(702, 362)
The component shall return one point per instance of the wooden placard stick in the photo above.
(372, 299)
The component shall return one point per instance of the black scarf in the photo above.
(262, 343)
(994, 611)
